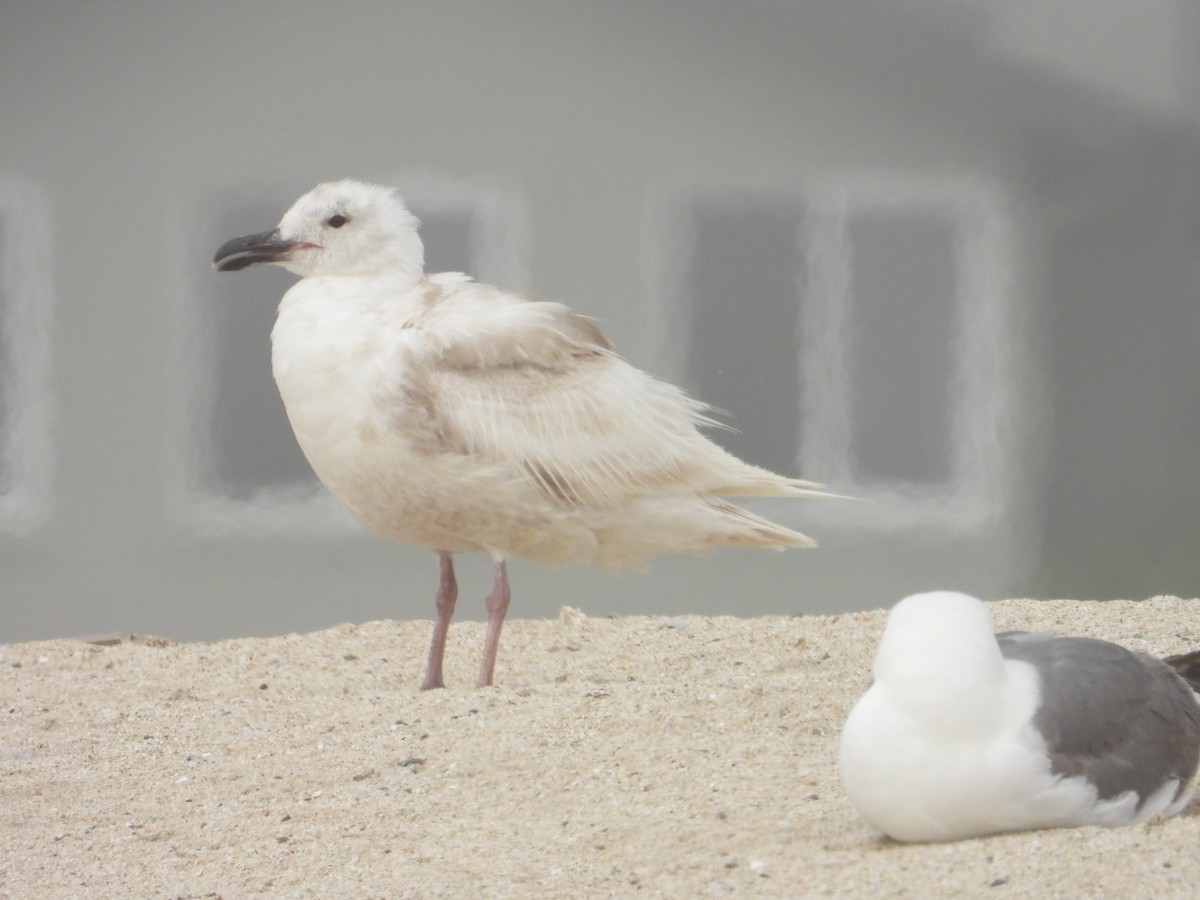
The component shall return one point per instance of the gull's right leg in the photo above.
(446, 596)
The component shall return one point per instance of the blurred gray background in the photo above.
(938, 253)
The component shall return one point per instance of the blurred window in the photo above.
(26, 299)
(902, 298)
(853, 335)
(745, 284)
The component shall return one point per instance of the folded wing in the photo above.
(537, 387)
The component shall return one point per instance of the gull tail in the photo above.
(745, 529)
(761, 483)
(1187, 667)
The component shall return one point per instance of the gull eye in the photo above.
(336, 221)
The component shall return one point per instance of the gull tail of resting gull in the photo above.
(964, 732)
(464, 418)
(1187, 667)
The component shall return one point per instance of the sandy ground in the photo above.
(662, 757)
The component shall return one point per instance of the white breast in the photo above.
(332, 355)
(328, 358)
(339, 359)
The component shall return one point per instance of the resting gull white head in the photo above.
(965, 733)
(463, 418)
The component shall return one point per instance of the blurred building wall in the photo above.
(936, 253)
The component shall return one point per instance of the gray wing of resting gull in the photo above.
(1120, 719)
(964, 732)
(460, 417)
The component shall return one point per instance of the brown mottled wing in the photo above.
(534, 386)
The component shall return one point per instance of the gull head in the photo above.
(937, 623)
(943, 638)
(337, 228)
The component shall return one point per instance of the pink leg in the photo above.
(497, 606)
(446, 596)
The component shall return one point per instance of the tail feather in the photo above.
(755, 531)
(1187, 667)
(746, 480)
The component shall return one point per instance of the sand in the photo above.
(617, 757)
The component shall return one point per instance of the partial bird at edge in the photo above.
(964, 732)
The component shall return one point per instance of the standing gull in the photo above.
(463, 418)
(965, 733)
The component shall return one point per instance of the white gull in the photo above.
(464, 418)
(965, 733)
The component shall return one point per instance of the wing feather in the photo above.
(533, 386)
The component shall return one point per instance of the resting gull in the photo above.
(965, 733)
(464, 418)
